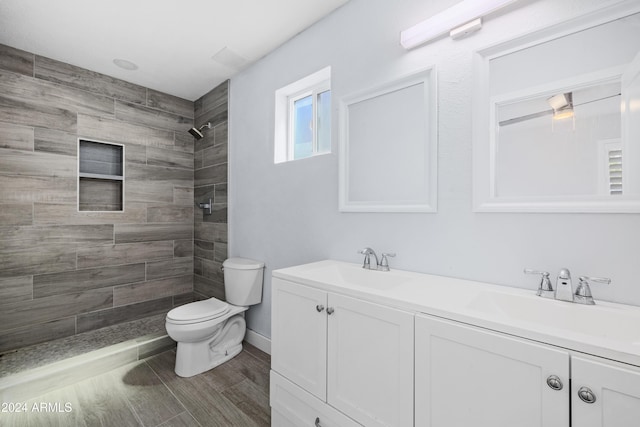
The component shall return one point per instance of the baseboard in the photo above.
(258, 341)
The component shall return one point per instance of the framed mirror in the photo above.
(388, 147)
(557, 117)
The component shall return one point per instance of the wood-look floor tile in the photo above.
(149, 393)
(102, 403)
(60, 408)
(183, 420)
(252, 368)
(258, 354)
(200, 394)
(252, 400)
(150, 399)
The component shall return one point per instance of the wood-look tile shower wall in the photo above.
(210, 182)
(62, 271)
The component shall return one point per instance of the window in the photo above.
(303, 118)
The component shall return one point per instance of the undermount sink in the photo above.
(604, 320)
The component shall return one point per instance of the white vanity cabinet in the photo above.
(354, 356)
(472, 376)
(356, 347)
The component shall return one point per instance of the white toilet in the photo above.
(211, 331)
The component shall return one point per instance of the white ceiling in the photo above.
(182, 47)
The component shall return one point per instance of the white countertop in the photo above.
(607, 329)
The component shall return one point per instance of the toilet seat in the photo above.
(199, 311)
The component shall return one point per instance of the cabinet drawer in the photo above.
(291, 406)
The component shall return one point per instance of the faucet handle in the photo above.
(583, 291)
(384, 262)
(530, 271)
(545, 289)
(603, 280)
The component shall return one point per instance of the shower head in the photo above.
(197, 132)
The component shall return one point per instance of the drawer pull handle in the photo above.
(318, 422)
(554, 382)
(586, 395)
(330, 310)
(319, 308)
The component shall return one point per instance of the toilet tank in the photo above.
(243, 281)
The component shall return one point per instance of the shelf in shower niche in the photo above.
(101, 176)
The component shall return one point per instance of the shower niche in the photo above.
(100, 176)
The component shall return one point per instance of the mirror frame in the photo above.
(484, 198)
(428, 202)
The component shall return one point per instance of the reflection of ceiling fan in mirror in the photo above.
(562, 107)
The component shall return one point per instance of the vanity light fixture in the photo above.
(459, 20)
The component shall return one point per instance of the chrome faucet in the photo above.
(564, 286)
(382, 265)
(367, 252)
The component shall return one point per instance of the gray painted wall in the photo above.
(287, 214)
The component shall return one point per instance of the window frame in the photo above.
(313, 84)
(314, 92)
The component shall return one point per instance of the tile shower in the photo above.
(64, 272)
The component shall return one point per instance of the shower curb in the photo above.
(38, 381)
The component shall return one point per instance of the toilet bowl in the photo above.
(211, 331)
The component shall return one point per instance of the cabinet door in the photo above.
(299, 335)
(370, 362)
(616, 390)
(467, 376)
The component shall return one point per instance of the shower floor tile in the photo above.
(13, 362)
(148, 393)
